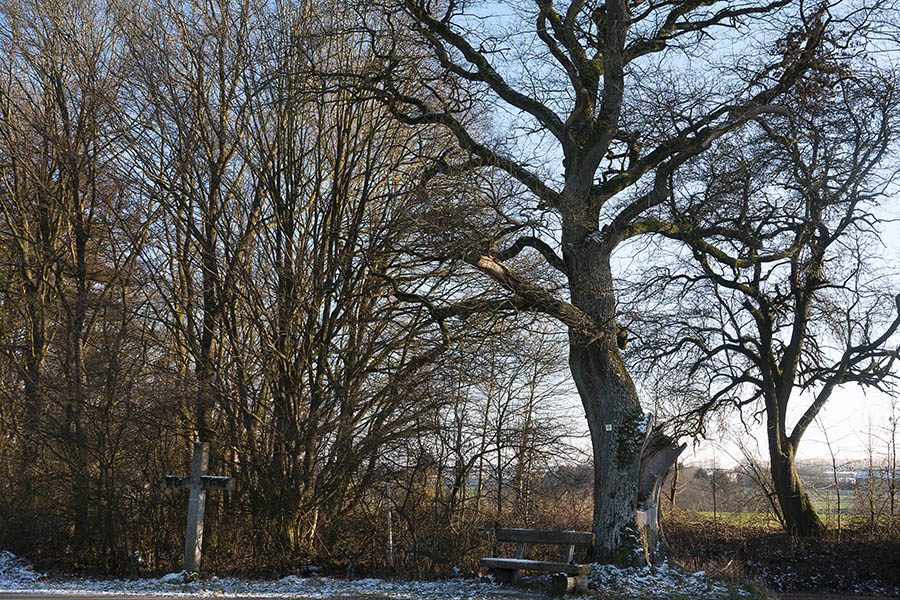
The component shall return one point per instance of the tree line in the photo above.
(341, 244)
(204, 237)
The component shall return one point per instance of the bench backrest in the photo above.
(538, 536)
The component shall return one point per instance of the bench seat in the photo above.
(517, 564)
(567, 576)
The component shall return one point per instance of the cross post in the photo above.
(198, 482)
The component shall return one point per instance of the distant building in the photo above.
(843, 480)
(877, 480)
(879, 474)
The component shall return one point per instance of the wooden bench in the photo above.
(568, 576)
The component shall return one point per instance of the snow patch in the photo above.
(16, 575)
(657, 581)
(178, 578)
(15, 570)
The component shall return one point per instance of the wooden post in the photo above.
(198, 482)
(567, 584)
(390, 532)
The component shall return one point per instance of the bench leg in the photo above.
(566, 584)
(506, 576)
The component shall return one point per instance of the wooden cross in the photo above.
(198, 483)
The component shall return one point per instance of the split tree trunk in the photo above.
(614, 416)
(659, 454)
(626, 514)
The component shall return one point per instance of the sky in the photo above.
(855, 422)
(852, 421)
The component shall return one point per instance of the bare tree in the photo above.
(834, 474)
(785, 304)
(191, 106)
(284, 209)
(71, 230)
(588, 81)
(892, 457)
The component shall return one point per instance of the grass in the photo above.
(825, 501)
(768, 520)
(742, 518)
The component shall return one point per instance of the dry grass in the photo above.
(862, 559)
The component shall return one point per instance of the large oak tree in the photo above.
(619, 95)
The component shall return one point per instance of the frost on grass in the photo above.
(606, 581)
(16, 575)
(290, 587)
(16, 571)
(657, 582)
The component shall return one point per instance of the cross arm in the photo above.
(177, 481)
(214, 482)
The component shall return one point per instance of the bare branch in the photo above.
(553, 259)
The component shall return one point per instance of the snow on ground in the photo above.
(15, 571)
(657, 582)
(16, 575)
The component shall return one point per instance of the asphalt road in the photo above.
(33, 596)
(512, 595)
(829, 597)
(40, 596)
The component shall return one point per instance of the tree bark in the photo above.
(800, 517)
(609, 398)
(613, 416)
(659, 454)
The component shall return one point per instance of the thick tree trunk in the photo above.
(800, 517)
(615, 419)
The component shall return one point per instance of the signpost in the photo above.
(198, 482)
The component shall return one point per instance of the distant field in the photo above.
(826, 501)
(748, 519)
(825, 506)
(741, 518)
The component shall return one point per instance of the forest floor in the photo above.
(718, 562)
(860, 561)
(18, 580)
